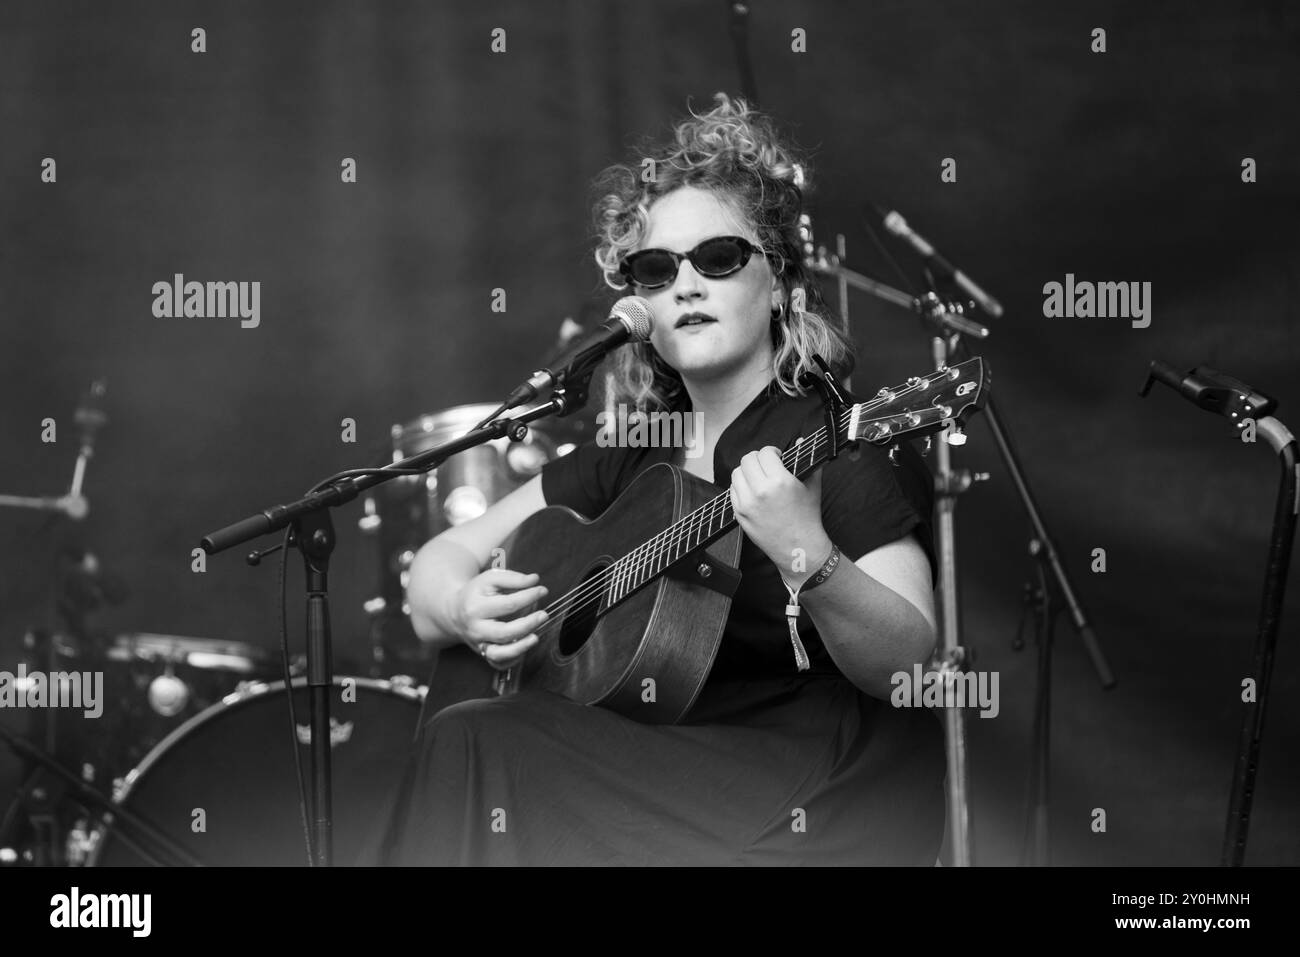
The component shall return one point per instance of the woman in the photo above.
(792, 752)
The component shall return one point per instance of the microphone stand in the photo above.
(1270, 617)
(1035, 846)
(1043, 548)
(947, 324)
(738, 27)
(1232, 398)
(953, 657)
(312, 531)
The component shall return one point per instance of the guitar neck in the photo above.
(922, 405)
(714, 519)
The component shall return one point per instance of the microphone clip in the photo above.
(1212, 390)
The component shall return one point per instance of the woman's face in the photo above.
(737, 340)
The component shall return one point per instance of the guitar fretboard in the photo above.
(715, 518)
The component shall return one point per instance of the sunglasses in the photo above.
(715, 258)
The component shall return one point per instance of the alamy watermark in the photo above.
(77, 910)
(933, 689)
(1103, 300)
(631, 428)
(57, 689)
(213, 300)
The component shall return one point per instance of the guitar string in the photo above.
(592, 590)
(673, 538)
(678, 534)
(668, 539)
(648, 552)
(594, 587)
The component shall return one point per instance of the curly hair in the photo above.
(733, 151)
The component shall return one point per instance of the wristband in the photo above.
(792, 609)
(824, 572)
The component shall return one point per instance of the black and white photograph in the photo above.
(650, 434)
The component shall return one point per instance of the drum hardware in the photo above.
(408, 683)
(340, 732)
(308, 525)
(89, 418)
(80, 586)
(400, 516)
(152, 682)
(204, 654)
(136, 830)
(168, 695)
(227, 755)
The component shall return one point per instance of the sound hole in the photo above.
(581, 620)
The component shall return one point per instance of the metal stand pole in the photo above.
(951, 656)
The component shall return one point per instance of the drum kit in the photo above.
(187, 740)
(401, 515)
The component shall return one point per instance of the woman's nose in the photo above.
(688, 283)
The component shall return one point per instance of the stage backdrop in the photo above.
(1167, 158)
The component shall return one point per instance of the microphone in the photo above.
(1212, 390)
(897, 225)
(629, 321)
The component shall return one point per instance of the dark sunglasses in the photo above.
(716, 258)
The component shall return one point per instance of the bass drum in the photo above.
(223, 785)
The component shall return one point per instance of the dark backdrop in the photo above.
(473, 169)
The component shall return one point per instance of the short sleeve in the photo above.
(589, 478)
(868, 501)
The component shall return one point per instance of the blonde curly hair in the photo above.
(735, 152)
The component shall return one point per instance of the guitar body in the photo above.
(639, 597)
(647, 656)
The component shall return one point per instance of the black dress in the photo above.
(771, 765)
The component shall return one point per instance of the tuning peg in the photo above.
(956, 436)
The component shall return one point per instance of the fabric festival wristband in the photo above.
(824, 572)
(801, 660)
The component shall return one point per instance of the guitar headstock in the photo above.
(921, 405)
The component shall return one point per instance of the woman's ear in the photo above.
(778, 296)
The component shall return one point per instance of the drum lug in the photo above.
(80, 842)
(371, 521)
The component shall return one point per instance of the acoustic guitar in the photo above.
(644, 590)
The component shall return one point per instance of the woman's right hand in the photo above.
(480, 606)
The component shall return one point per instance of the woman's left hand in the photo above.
(781, 514)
